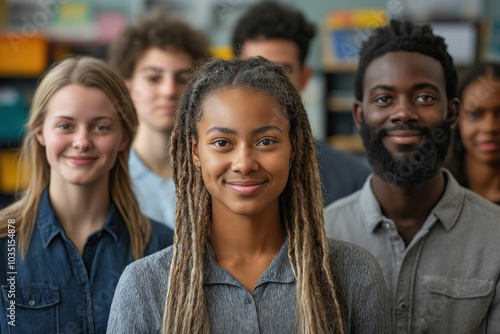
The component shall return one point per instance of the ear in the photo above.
(453, 112)
(39, 136)
(194, 150)
(357, 112)
(305, 76)
(124, 143)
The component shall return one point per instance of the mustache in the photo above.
(402, 127)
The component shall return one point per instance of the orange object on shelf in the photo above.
(22, 55)
(9, 172)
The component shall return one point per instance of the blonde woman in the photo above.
(250, 253)
(66, 241)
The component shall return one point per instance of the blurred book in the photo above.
(346, 30)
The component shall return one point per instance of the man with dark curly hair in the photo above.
(155, 59)
(282, 35)
(437, 242)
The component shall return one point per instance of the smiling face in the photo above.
(157, 83)
(480, 120)
(244, 150)
(82, 135)
(405, 117)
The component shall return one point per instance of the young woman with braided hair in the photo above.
(250, 253)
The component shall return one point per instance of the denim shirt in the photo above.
(56, 290)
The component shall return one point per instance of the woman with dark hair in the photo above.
(475, 156)
(250, 252)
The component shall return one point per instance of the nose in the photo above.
(244, 160)
(404, 112)
(491, 122)
(82, 140)
(168, 86)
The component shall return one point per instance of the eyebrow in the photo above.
(415, 86)
(229, 131)
(94, 119)
(161, 70)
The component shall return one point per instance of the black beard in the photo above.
(416, 166)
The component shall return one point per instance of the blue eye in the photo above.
(63, 126)
(101, 128)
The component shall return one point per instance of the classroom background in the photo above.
(35, 33)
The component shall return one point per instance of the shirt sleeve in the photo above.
(363, 290)
(372, 308)
(493, 323)
(137, 303)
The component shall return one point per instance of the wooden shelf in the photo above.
(340, 104)
(329, 65)
(352, 143)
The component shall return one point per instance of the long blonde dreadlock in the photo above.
(319, 308)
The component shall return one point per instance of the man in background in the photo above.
(436, 242)
(282, 35)
(155, 59)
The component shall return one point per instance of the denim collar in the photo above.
(50, 226)
(447, 209)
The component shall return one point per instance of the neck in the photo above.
(483, 179)
(238, 236)
(408, 207)
(81, 209)
(153, 148)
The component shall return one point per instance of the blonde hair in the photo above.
(319, 308)
(86, 72)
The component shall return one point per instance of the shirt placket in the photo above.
(401, 278)
(85, 307)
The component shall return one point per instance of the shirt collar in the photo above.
(279, 271)
(137, 168)
(447, 209)
(50, 226)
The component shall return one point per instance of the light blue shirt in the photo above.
(156, 195)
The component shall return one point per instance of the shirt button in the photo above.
(403, 306)
(99, 234)
(31, 302)
(387, 225)
(248, 301)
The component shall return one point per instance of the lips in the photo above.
(81, 160)
(245, 187)
(168, 108)
(488, 146)
(404, 137)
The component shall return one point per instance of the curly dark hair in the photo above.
(155, 29)
(405, 36)
(274, 20)
(319, 307)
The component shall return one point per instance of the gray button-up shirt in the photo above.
(138, 304)
(447, 279)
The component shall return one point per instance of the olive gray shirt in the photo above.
(447, 279)
(138, 304)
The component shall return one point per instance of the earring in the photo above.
(290, 166)
(198, 165)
